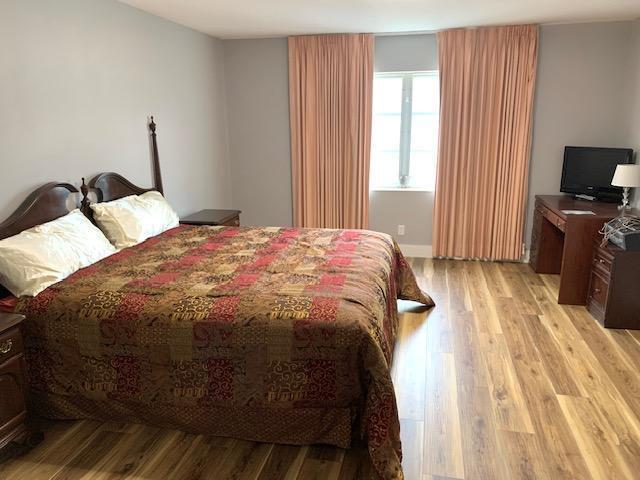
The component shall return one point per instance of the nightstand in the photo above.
(229, 218)
(15, 435)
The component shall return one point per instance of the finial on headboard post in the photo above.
(157, 176)
(84, 204)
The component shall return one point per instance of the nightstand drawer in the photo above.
(234, 222)
(12, 401)
(10, 344)
(13, 385)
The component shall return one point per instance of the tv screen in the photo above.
(589, 171)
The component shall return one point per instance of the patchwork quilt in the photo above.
(269, 334)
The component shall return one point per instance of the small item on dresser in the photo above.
(627, 177)
(578, 212)
(15, 435)
(623, 231)
(229, 218)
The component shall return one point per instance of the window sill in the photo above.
(400, 189)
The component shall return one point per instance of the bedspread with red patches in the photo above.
(269, 334)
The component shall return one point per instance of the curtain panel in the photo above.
(330, 101)
(487, 78)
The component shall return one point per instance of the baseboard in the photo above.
(416, 251)
(425, 251)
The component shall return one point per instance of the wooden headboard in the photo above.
(43, 205)
(111, 186)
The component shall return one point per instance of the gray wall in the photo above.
(634, 104)
(414, 210)
(77, 81)
(258, 124)
(81, 76)
(258, 117)
(582, 97)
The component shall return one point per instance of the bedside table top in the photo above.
(210, 216)
(8, 320)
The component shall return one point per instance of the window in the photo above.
(404, 136)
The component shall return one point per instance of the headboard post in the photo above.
(84, 204)
(157, 176)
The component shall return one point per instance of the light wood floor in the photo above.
(496, 382)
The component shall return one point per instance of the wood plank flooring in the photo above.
(497, 382)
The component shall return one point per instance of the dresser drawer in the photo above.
(598, 290)
(10, 344)
(539, 213)
(553, 218)
(603, 261)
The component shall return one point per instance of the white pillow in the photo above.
(131, 220)
(43, 255)
(163, 215)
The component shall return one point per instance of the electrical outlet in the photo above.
(400, 229)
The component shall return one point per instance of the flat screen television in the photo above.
(588, 171)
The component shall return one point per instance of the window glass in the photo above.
(404, 143)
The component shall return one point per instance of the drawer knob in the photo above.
(601, 260)
(596, 290)
(5, 347)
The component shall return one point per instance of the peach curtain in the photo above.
(487, 78)
(330, 88)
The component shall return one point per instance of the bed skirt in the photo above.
(300, 426)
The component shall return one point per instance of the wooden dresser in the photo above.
(14, 433)
(563, 243)
(614, 288)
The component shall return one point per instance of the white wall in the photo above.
(77, 81)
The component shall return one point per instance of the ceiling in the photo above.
(273, 18)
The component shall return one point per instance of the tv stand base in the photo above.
(582, 196)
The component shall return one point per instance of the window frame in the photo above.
(406, 116)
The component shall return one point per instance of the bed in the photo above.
(269, 334)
